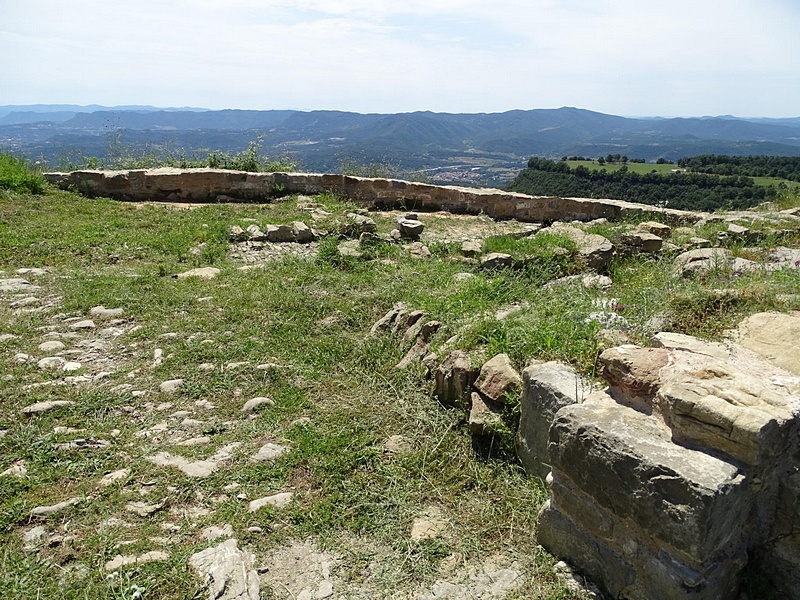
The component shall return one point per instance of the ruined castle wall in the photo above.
(218, 185)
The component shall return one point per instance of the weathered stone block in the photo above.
(691, 501)
(546, 388)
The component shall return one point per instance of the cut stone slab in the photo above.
(46, 406)
(497, 378)
(546, 388)
(280, 500)
(197, 468)
(202, 272)
(128, 560)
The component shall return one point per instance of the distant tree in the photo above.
(601, 161)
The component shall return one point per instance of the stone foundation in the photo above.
(218, 185)
(684, 469)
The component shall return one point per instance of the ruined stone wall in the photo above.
(218, 185)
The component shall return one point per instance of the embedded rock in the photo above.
(496, 261)
(497, 378)
(201, 272)
(454, 378)
(485, 416)
(230, 571)
(280, 234)
(595, 250)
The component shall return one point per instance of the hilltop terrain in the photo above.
(187, 377)
(474, 149)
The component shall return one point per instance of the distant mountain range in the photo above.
(481, 149)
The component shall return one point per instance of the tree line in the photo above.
(784, 167)
(686, 191)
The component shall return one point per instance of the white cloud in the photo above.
(683, 57)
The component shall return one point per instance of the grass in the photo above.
(337, 394)
(16, 175)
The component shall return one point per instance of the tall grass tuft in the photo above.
(18, 175)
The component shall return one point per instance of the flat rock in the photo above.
(101, 312)
(269, 451)
(775, 336)
(430, 524)
(197, 468)
(171, 386)
(215, 532)
(127, 560)
(277, 500)
(46, 406)
(202, 272)
(82, 325)
(143, 509)
(113, 477)
(16, 285)
(51, 346)
(46, 511)
(52, 363)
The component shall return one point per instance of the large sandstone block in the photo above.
(775, 336)
(546, 388)
(694, 503)
(633, 571)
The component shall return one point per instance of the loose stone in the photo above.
(46, 511)
(46, 406)
(277, 500)
(52, 346)
(171, 386)
(124, 561)
(252, 404)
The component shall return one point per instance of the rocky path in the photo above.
(99, 364)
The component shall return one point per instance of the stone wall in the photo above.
(217, 185)
(667, 483)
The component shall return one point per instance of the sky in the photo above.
(626, 57)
